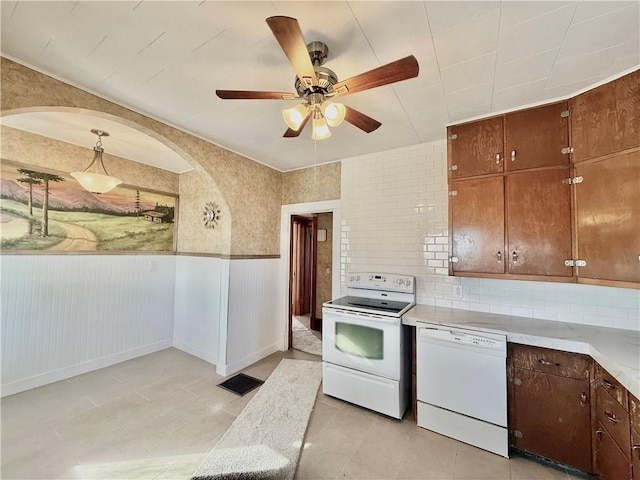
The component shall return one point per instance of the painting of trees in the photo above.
(46, 178)
(31, 180)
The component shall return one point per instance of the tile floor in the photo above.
(155, 417)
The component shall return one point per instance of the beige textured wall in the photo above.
(31, 149)
(311, 184)
(193, 237)
(323, 272)
(250, 191)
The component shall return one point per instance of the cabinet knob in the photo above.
(499, 257)
(583, 399)
(607, 384)
(513, 155)
(599, 433)
(514, 257)
(497, 158)
(547, 363)
(611, 417)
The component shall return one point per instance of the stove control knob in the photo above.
(400, 281)
(408, 282)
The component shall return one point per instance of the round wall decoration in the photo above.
(211, 214)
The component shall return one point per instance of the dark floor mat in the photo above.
(241, 384)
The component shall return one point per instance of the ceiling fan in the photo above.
(317, 85)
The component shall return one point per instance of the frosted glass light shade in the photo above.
(334, 113)
(320, 129)
(294, 116)
(96, 182)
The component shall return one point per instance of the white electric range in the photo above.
(365, 348)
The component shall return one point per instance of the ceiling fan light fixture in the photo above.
(294, 116)
(98, 180)
(320, 130)
(334, 113)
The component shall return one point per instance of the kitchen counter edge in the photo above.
(616, 350)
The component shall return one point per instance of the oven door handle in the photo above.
(372, 317)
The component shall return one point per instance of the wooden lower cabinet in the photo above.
(550, 416)
(610, 463)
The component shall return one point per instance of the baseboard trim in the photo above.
(196, 352)
(78, 369)
(226, 370)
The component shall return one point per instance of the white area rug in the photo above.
(304, 340)
(264, 442)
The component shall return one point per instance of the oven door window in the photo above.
(360, 340)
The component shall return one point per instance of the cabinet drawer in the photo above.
(554, 362)
(614, 418)
(634, 413)
(605, 380)
(610, 463)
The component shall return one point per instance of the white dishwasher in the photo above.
(462, 385)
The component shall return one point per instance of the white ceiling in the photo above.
(166, 59)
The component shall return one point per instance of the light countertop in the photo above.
(617, 351)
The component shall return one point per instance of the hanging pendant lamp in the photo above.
(98, 180)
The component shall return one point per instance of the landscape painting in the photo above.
(44, 210)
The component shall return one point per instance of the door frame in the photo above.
(286, 212)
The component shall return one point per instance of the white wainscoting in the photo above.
(201, 287)
(254, 325)
(64, 315)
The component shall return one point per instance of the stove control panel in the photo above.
(382, 281)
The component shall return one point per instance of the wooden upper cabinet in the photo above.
(608, 218)
(477, 225)
(539, 223)
(535, 137)
(476, 148)
(606, 119)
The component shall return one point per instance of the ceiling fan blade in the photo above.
(250, 95)
(397, 71)
(289, 36)
(360, 120)
(291, 133)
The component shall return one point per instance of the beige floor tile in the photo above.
(428, 456)
(475, 464)
(368, 461)
(182, 467)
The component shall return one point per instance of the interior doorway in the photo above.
(328, 216)
(302, 275)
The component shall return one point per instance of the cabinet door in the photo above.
(477, 148)
(606, 119)
(551, 417)
(536, 137)
(610, 462)
(477, 225)
(539, 223)
(635, 454)
(608, 218)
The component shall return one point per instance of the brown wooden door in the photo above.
(539, 223)
(477, 225)
(477, 149)
(536, 137)
(609, 461)
(606, 119)
(608, 218)
(303, 265)
(551, 416)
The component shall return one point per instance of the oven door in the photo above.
(366, 342)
